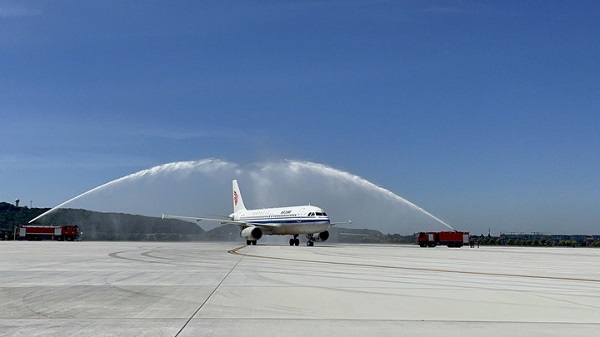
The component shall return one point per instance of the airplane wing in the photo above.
(242, 224)
(196, 219)
(349, 222)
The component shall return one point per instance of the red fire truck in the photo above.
(450, 239)
(61, 233)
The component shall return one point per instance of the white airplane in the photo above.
(254, 223)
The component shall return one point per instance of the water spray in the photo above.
(201, 187)
(365, 183)
(212, 164)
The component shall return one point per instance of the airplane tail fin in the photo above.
(238, 202)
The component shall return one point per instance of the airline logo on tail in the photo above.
(235, 198)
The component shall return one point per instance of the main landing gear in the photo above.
(295, 241)
(251, 242)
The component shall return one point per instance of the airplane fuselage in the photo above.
(292, 220)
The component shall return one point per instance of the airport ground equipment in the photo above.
(60, 233)
(450, 239)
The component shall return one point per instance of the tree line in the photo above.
(12, 216)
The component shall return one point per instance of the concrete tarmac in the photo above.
(214, 289)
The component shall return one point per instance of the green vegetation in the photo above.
(537, 240)
(568, 243)
(12, 216)
(495, 241)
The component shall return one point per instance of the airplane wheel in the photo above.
(310, 243)
(248, 242)
(292, 241)
(297, 242)
(254, 243)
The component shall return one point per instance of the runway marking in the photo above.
(117, 255)
(235, 252)
(209, 296)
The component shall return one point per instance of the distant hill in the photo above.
(353, 235)
(105, 226)
(11, 215)
(119, 226)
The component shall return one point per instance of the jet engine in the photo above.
(318, 237)
(251, 233)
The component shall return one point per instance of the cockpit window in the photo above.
(317, 214)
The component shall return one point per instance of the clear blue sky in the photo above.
(485, 113)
